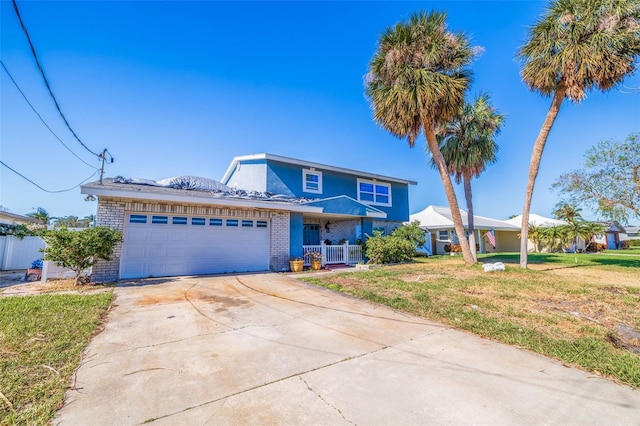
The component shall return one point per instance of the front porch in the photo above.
(348, 254)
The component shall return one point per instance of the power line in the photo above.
(46, 82)
(40, 117)
(46, 190)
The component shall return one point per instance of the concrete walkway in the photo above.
(267, 349)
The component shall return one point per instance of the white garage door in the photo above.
(171, 245)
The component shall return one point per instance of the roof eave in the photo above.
(265, 156)
(140, 195)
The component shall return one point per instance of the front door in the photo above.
(310, 234)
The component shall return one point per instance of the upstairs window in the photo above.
(372, 192)
(443, 235)
(312, 181)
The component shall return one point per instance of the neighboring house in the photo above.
(18, 253)
(633, 232)
(7, 218)
(438, 220)
(541, 222)
(613, 235)
(265, 210)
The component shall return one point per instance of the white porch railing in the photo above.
(345, 253)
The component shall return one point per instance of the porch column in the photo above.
(295, 234)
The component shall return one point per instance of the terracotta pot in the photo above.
(296, 265)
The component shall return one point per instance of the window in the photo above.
(215, 222)
(372, 192)
(247, 223)
(163, 220)
(261, 224)
(198, 221)
(443, 235)
(177, 220)
(312, 181)
(138, 218)
(232, 222)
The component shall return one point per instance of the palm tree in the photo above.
(468, 146)
(41, 214)
(576, 46)
(416, 82)
(567, 212)
(534, 235)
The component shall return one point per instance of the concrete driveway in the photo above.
(268, 349)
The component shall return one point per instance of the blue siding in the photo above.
(295, 234)
(251, 176)
(286, 179)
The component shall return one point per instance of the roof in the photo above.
(11, 218)
(133, 189)
(536, 220)
(439, 217)
(281, 159)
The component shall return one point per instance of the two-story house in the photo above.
(266, 209)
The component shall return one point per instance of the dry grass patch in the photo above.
(565, 316)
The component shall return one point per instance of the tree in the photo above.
(468, 146)
(576, 46)
(609, 181)
(78, 250)
(40, 214)
(73, 221)
(416, 82)
(567, 212)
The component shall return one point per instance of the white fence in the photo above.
(16, 253)
(346, 253)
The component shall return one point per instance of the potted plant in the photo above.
(315, 258)
(296, 263)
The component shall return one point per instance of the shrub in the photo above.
(389, 249)
(634, 243)
(411, 232)
(78, 250)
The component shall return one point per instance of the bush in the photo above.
(634, 243)
(389, 249)
(78, 250)
(411, 232)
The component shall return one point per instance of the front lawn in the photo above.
(584, 314)
(41, 341)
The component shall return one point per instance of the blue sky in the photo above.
(174, 88)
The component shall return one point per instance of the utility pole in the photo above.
(102, 157)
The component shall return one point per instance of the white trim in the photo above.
(309, 164)
(191, 199)
(307, 172)
(374, 183)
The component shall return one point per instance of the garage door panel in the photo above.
(168, 250)
(135, 235)
(157, 236)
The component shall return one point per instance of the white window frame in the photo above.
(374, 183)
(307, 172)
(440, 236)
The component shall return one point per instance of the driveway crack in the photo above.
(324, 400)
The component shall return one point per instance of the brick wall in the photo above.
(279, 250)
(110, 214)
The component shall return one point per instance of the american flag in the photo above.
(492, 237)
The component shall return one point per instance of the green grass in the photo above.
(553, 311)
(619, 258)
(41, 340)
